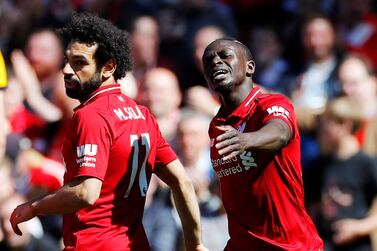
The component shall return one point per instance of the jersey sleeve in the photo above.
(279, 107)
(3, 73)
(93, 141)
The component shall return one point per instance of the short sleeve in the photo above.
(279, 107)
(3, 73)
(93, 140)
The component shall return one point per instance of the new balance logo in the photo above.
(278, 111)
(242, 127)
(87, 150)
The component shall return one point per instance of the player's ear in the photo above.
(109, 68)
(250, 68)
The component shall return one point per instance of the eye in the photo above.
(79, 62)
(225, 54)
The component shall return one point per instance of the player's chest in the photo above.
(245, 163)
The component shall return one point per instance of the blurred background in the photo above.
(322, 54)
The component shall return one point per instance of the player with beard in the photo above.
(110, 153)
(255, 151)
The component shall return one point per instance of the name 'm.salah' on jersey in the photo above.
(117, 141)
(262, 191)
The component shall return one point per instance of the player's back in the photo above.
(116, 141)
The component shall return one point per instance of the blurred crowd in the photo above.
(322, 54)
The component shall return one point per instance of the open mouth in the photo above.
(219, 74)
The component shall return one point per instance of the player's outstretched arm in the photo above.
(175, 177)
(78, 193)
(271, 137)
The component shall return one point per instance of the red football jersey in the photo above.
(119, 142)
(262, 191)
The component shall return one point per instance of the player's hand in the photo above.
(22, 213)
(349, 230)
(231, 142)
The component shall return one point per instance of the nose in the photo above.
(216, 60)
(67, 69)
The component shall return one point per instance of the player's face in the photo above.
(224, 65)
(81, 75)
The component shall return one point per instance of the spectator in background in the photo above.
(192, 73)
(343, 185)
(160, 221)
(268, 57)
(46, 108)
(43, 118)
(44, 53)
(193, 149)
(163, 97)
(6, 180)
(200, 99)
(145, 41)
(3, 85)
(359, 84)
(357, 25)
(316, 83)
(192, 145)
(215, 225)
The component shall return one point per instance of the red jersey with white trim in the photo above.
(262, 191)
(119, 142)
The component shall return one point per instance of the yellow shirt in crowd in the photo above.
(3, 72)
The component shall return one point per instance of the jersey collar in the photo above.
(245, 106)
(101, 91)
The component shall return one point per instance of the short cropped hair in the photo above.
(247, 51)
(112, 42)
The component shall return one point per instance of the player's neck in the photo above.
(230, 101)
(108, 81)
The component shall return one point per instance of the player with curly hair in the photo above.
(110, 153)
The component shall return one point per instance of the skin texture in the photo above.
(228, 69)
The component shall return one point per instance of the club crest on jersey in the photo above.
(86, 150)
(278, 111)
(247, 160)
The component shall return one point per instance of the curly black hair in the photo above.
(112, 42)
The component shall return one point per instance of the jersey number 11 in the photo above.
(143, 183)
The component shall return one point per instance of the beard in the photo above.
(82, 90)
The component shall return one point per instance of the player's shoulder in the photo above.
(273, 97)
(88, 112)
(270, 99)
